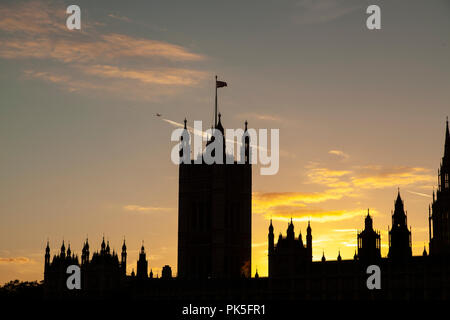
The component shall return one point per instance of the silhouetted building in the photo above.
(102, 274)
(214, 248)
(142, 264)
(123, 261)
(289, 257)
(439, 220)
(399, 235)
(214, 216)
(55, 271)
(369, 243)
(166, 272)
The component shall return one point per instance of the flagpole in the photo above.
(215, 110)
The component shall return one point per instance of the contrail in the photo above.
(204, 134)
(419, 194)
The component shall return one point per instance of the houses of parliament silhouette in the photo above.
(214, 250)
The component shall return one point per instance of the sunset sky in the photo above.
(360, 114)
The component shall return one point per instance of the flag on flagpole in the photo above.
(220, 84)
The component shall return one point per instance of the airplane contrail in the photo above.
(419, 194)
(205, 135)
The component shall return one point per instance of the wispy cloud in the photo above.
(259, 116)
(15, 260)
(313, 12)
(168, 76)
(119, 17)
(94, 61)
(138, 208)
(339, 153)
(377, 177)
(299, 206)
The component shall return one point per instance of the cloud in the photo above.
(339, 183)
(259, 116)
(339, 153)
(313, 12)
(312, 214)
(328, 176)
(299, 198)
(137, 208)
(119, 17)
(368, 177)
(376, 177)
(90, 61)
(297, 205)
(32, 18)
(109, 47)
(15, 260)
(135, 90)
(169, 76)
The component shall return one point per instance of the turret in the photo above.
(246, 145)
(290, 231)
(271, 238)
(142, 264)
(63, 250)
(85, 253)
(123, 261)
(47, 257)
(185, 147)
(103, 246)
(309, 241)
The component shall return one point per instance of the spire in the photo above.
(185, 121)
(124, 247)
(246, 123)
(447, 141)
(323, 256)
(219, 124)
(368, 222)
(339, 258)
(308, 230)
(399, 198)
(271, 226)
(290, 230)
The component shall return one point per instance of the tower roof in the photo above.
(399, 198)
(219, 125)
(447, 142)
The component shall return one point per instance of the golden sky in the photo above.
(360, 113)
